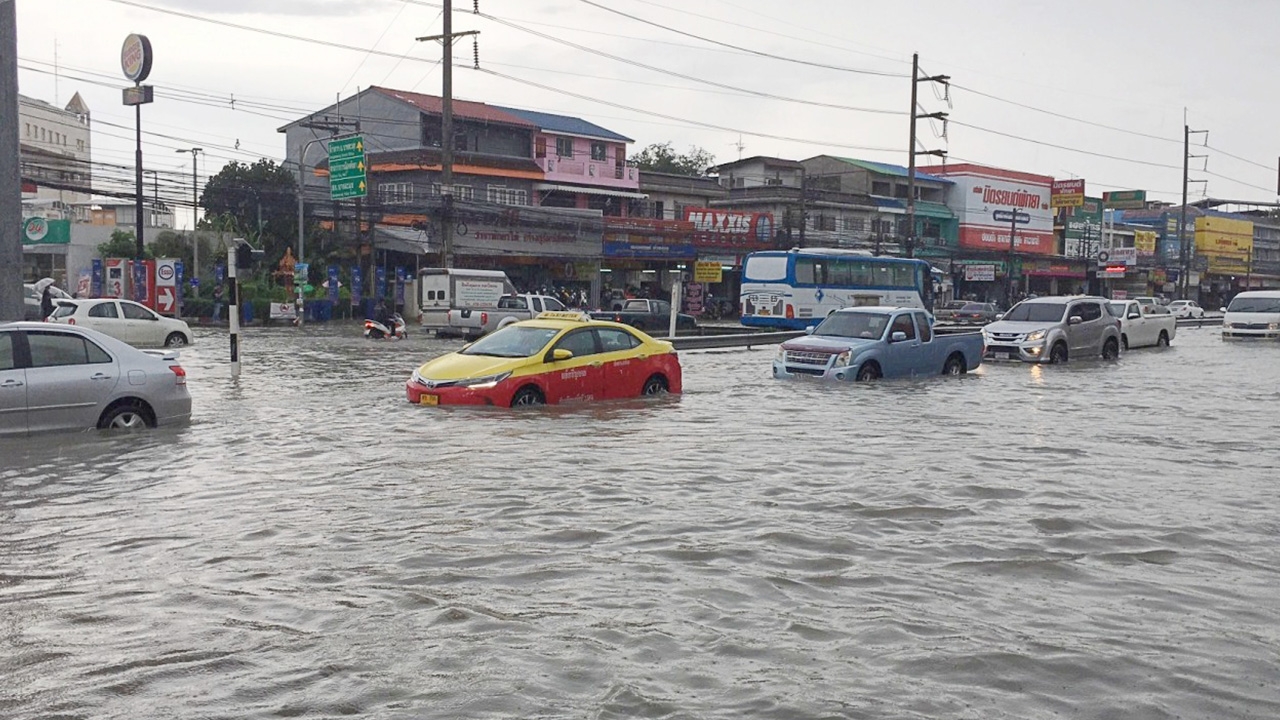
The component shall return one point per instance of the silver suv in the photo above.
(1054, 329)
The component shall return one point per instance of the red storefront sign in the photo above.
(1035, 242)
(728, 228)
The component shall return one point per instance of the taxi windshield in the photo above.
(512, 342)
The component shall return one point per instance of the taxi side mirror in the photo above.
(560, 355)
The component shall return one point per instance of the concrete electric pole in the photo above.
(195, 210)
(10, 175)
(911, 151)
(446, 130)
(1185, 245)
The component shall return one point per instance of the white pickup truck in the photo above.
(1144, 324)
(473, 323)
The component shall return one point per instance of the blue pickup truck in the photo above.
(866, 343)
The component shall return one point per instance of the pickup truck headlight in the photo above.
(782, 354)
(487, 381)
(1274, 326)
(1037, 335)
(842, 360)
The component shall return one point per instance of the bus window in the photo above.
(765, 268)
(840, 273)
(810, 272)
(863, 273)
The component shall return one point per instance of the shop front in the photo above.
(44, 250)
(1055, 276)
(727, 237)
(640, 255)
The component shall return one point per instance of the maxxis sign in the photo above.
(727, 228)
(135, 57)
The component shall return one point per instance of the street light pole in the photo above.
(10, 173)
(195, 209)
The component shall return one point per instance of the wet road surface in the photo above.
(1090, 541)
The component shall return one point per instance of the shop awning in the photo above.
(934, 210)
(402, 239)
(545, 187)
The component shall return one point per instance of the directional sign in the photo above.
(347, 169)
(1005, 216)
(166, 300)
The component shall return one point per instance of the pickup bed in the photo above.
(1144, 324)
(475, 322)
(867, 343)
(647, 315)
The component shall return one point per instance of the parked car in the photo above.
(60, 377)
(648, 315)
(867, 343)
(1142, 325)
(1054, 329)
(946, 312)
(976, 313)
(124, 320)
(1186, 309)
(1253, 314)
(556, 357)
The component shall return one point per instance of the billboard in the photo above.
(1125, 199)
(1226, 242)
(730, 228)
(1067, 193)
(648, 238)
(981, 194)
(1083, 234)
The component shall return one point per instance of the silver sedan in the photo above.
(60, 377)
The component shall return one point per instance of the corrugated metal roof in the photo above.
(564, 124)
(461, 108)
(890, 169)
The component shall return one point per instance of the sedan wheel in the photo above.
(175, 339)
(125, 417)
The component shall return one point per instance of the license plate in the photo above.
(425, 399)
(764, 312)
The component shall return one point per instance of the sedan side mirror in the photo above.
(560, 355)
(1075, 320)
(898, 337)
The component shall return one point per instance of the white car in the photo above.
(1186, 309)
(124, 320)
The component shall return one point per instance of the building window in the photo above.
(852, 224)
(900, 192)
(460, 192)
(657, 209)
(28, 129)
(880, 188)
(395, 193)
(503, 195)
(564, 147)
(80, 145)
(540, 147)
(598, 152)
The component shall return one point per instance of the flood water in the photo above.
(1087, 541)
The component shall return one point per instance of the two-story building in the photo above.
(529, 188)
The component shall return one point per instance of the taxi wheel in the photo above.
(655, 385)
(528, 395)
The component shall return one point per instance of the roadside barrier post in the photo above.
(675, 303)
(234, 296)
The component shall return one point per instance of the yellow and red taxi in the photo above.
(554, 358)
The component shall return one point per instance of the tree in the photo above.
(661, 157)
(258, 200)
(122, 245)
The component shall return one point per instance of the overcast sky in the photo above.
(1132, 65)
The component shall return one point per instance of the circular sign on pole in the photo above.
(35, 229)
(1104, 256)
(135, 57)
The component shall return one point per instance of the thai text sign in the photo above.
(980, 193)
(1145, 241)
(1125, 199)
(707, 272)
(1066, 193)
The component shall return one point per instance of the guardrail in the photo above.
(747, 340)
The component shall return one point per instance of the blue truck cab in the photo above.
(866, 343)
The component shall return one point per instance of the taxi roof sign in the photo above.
(564, 315)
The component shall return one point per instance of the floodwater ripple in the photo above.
(1090, 541)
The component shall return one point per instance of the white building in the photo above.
(56, 155)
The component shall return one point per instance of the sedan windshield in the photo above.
(1036, 312)
(513, 342)
(853, 325)
(1254, 305)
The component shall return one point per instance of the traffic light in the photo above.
(247, 256)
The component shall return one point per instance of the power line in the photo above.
(1066, 117)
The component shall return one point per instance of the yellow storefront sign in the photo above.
(1224, 239)
(1145, 241)
(707, 272)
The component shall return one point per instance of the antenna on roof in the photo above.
(739, 145)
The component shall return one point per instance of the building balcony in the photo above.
(589, 172)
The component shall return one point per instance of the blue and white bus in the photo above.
(795, 289)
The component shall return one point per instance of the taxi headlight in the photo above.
(1037, 335)
(842, 360)
(487, 381)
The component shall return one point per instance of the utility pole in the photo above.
(911, 150)
(1184, 246)
(1008, 271)
(10, 176)
(195, 209)
(446, 130)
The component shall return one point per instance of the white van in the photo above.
(1252, 314)
(443, 289)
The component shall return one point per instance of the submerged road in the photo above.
(1097, 540)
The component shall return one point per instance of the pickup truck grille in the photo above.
(797, 370)
(1001, 338)
(808, 357)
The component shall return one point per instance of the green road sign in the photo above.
(1125, 200)
(347, 169)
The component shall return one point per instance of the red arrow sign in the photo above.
(165, 300)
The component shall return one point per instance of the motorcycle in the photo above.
(376, 330)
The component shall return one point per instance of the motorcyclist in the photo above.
(382, 314)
